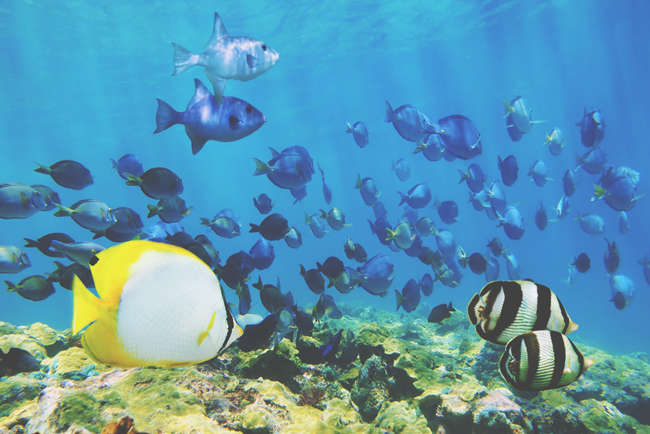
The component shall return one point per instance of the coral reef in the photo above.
(411, 377)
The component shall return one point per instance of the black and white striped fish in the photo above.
(542, 360)
(505, 309)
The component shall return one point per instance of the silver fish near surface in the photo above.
(227, 57)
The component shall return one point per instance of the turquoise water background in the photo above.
(79, 80)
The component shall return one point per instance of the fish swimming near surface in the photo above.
(538, 171)
(20, 201)
(519, 117)
(128, 163)
(512, 222)
(368, 189)
(447, 210)
(157, 183)
(316, 224)
(293, 238)
(359, 132)
(542, 360)
(34, 288)
(569, 183)
(474, 177)
(591, 224)
(138, 283)
(206, 119)
(592, 162)
(68, 173)
(227, 58)
(290, 169)
(506, 309)
(592, 128)
(335, 218)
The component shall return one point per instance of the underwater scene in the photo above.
(336, 216)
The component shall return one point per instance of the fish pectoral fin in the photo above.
(234, 123)
(206, 333)
(85, 308)
(252, 61)
(24, 201)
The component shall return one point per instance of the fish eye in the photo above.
(264, 47)
(249, 109)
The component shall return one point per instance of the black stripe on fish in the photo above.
(533, 353)
(506, 366)
(581, 358)
(565, 317)
(559, 359)
(513, 296)
(544, 299)
(229, 320)
(471, 309)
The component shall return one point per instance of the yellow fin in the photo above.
(205, 334)
(85, 306)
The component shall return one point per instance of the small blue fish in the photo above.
(43, 243)
(225, 223)
(440, 313)
(50, 196)
(446, 242)
(416, 247)
(541, 218)
(582, 263)
(355, 251)
(432, 148)
(273, 228)
(332, 267)
(518, 116)
(299, 194)
(160, 229)
(13, 260)
(512, 222)
(480, 200)
(244, 295)
(645, 263)
(508, 169)
(377, 275)
(327, 191)
(128, 163)
(496, 247)
(335, 218)
(569, 183)
(236, 269)
(68, 173)
(290, 169)
(402, 235)
(459, 135)
(368, 190)
(157, 183)
(128, 226)
(359, 132)
(426, 284)
(170, 210)
(206, 119)
(512, 264)
(474, 177)
(316, 224)
(623, 223)
(620, 195)
(611, 258)
(408, 122)
(20, 201)
(418, 196)
(563, 207)
(379, 228)
(538, 171)
(379, 209)
(293, 238)
(262, 254)
(89, 214)
(313, 279)
(80, 252)
(447, 210)
(263, 203)
(409, 299)
(492, 270)
(34, 288)
(227, 58)
(477, 263)
(402, 169)
(497, 196)
(592, 128)
(622, 290)
(592, 162)
(555, 139)
(591, 224)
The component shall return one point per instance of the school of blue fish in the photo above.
(213, 116)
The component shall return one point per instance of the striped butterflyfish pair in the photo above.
(158, 305)
(504, 310)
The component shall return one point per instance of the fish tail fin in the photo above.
(391, 234)
(255, 228)
(31, 243)
(436, 203)
(419, 147)
(85, 308)
(373, 228)
(582, 121)
(331, 282)
(548, 140)
(262, 167)
(133, 180)
(358, 184)
(307, 219)
(42, 169)
(153, 210)
(323, 214)
(349, 129)
(403, 198)
(114, 163)
(508, 107)
(166, 116)
(63, 211)
(463, 176)
(98, 234)
(10, 286)
(400, 299)
(635, 198)
(579, 216)
(184, 59)
(599, 192)
(390, 115)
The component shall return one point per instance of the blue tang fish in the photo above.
(538, 171)
(418, 196)
(262, 254)
(379, 209)
(592, 128)
(225, 224)
(447, 210)
(541, 217)
(509, 170)
(377, 275)
(611, 258)
(290, 169)
(379, 228)
(128, 163)
(555, 139)
(446, 242)
(432, 148)
(206, 119)
(492, 270)
(459, 136)
(518, 116)
(227, 57)
(512, 265)
(474, 177)
(263, 203)
(513, 223)
(359, 132)
(569, 183)
(497, 197)
(368, 189)
(408, 122)
(299, 194)
(619, 193)
(591, 224)
(402, 169)
(316, 224)
(409, 299)
(593, 161)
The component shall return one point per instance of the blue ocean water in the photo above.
(79, 80)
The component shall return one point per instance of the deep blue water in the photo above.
(79, 80)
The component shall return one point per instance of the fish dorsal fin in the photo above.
(218, 31)
(200, 92)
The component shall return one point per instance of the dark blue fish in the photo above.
(418, 196)
(327, 191)
(16, 361)
(481, 200)
(538, 171)
(273, 228)
(492, 270)
(129, 224)
(379, 209)
(474, 177)
(541, 218)
(496, 246)
(368, 189)
(612, 174)
(355, 251)
(263, 203)
(346, 281)
(303, 320)
(332, 267)
(411, 215)
(409, 299)
(313, 279)
(290, 169)
(622, 290)
(569, 183)
(402, 169)
(170, 210)
(64, 275)
(446, 242)
(582, 263)
(619, 300)
(432, 148)
(440, 313)
(477, 263)
(592, 128)
(316, 224)
(497, 196)
(379, 228)
(593, 161)
(426, 284)
(44, 243)
(206, 119)
(645, 263)
(620, 195)
(452, 264)
(244, 295)
(359, 132)
(556, 140)
(68, 174)
(180, 239)
(416, 247)
(349, 353)
(611, 258)
(377, 275)
(447, 210)
(157, 183)
(50, 197)
(329, 350)
(326, 305)
(128, 163)
(225, 223)
(209, 248)
(262, 254)
(335, 218)
(271, 296)
(459, 135)
(512, 222)
(408, 122)
(34, 288)
(425, 255)
(512, 266)
(236, 269)
(257, 336)
(293, 238)
(299, 194)
(509, 170)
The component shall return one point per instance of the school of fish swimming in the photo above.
(124, 273)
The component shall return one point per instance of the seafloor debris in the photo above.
(411, 377)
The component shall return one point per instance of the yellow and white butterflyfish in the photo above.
(158, 305)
